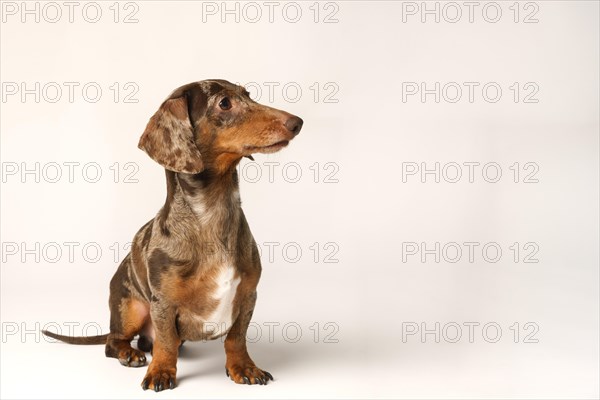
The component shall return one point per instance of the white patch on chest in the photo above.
(220, 320)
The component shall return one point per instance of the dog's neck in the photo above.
(209, 194)
(213, 205)
(213, 199)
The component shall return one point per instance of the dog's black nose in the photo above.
(294, 124)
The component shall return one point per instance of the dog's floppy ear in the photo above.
(169, 138)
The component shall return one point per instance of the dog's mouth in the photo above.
(268, 149)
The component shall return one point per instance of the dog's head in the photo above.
(213, 124)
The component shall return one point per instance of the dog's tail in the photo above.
(100, 339)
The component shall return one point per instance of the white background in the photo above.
(371, 295)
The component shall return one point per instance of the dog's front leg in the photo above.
(239, 366)
(163, 368)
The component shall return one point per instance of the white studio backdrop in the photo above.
(431, 233)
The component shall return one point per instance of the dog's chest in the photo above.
(224, 294)
(218, 318)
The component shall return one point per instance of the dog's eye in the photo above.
(225, 103)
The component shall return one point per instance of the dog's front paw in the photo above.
(159, 378)
(248, 374)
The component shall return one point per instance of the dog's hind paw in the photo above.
(132, 358)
